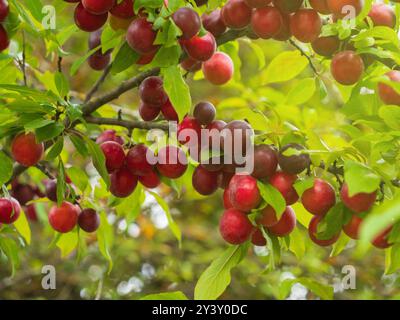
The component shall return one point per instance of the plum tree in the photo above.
(150, 180)
(204, 112)
(320, 198)
(236, 14)
(148, 112)
(326, 46)
(382, 15)
(388, 94)
(218, 69)
(26, 150)
(243, 192)
(151, 91)
(347, 67)
(63, 218)
(205, 182)
(188, 21)
(359, 202)
(305, 25)
(235, 227)
(123, 182)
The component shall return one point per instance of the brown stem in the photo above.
(128, 124)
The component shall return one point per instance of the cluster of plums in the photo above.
(4, 11)
(98, 60)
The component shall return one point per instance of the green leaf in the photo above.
(79, 145)
(302, 185)
(360, 178)
(124, 59)
(391, 116)
(23, 228)
(49, 132)
(172, 224)
(393, 259)
(37, 123)
(331, 224)
(323, 291)
(78, 177)
(11, 250)
(177, 90)
(104, 238)
(67, 242)
(56, 149)
(297, 244)
(273, 197)
(6, 168)
(302, 92)
(98, 159)
(217, 277)
(176, 295)
(284, 67)
(61, 185)
(62, 84)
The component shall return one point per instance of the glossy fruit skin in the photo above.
(140, 36)
(146, 58)
(87, 21)
(381, 240)
(382, 15)
(23, 193)
(147, 112)
(94, 39)
(4, 41)
(114, 154)
(236, 14)
(188, 21)
(387, 94)
(257, 238)
(98, 6)
(191, 65)
(172, 162)
(352, 228)
(243, 192)
(236, 137)
(109, 135)
(293, 164)
(326, 46)
(205, 182)
(214, 23)
(337, 6)
(189, 131)
(89, 220)
(226, 201)
(140, 160)
(151, 91)
(218, 69)
(4, 10)
(123, 182)
(258, 3)
(98, 61)
(9, 210)
(169, 112)
(63, 218)
(265, 161)
(283, 182)
(25, 150)
(285, 225)
(266, 22)
(51, 190)
(312, 232)
(235, 227)
(321, 6)
(306, 25)
(360, 202)
(123, 10)
(200, 48)
(204, 112)
(151, 180)
(288, 6)
(284, 33)
(347, 67)
(319, 198)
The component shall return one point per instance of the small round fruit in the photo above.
(205, 182)
(283, 182)
(381, 240)
(347, 67)
(89, 220)
(172, 162)
(87, 21)
(342, 8)
(265, 161)
(188, 21)
(266, 22)
(235, 227)
(227, 202)
(236, 14)
(114, 154)
(312, 232)
(257, 238)
(98, 61)
(4, 10)
(148, 112)
(293, 164)
(98, 7)
(123, 9)
(140, 160)
(51, 190)
(63, 218)
(169, 112)
(284, 33)
(123, 182)
(236, 138)
(320, 198)
(352, 228)
(288, 6)
(326, 46)
(382, 15)
(25, 149)
(151, 91)
(140, 36)
(306, 25)
(218, 69)
(243, 192)
(9, 210)
(4, 40)
(387, 94)
(204, 112)
(191, 65)
(360, 202)
(23, 193)
(285, 225)
(214, 23)
(109, 135)
(151, 180)
(189, 131)
(321, 6)
(200, 48)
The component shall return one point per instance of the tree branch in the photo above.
(98, 83)
(128, 124)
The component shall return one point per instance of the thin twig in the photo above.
(294, 44)
(24, 59)
(127, 124)
(45, 170)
